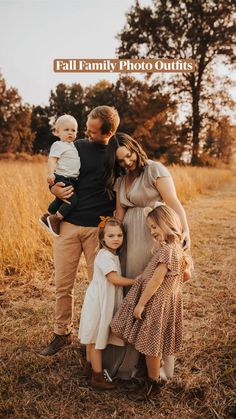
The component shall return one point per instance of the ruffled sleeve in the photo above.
(156, 170)
(169, 255)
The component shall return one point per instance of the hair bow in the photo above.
(103, 221)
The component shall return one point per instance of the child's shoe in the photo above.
(150, 388)
(54, 224)
(102, 381)
(44, 222)
(87, 370)
(153, 387)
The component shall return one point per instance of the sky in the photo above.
(34, 32)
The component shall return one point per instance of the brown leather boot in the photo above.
(44, 222)
(58, 342)
(54, 224)
(87, 370)
(150, 388)
(153, 387)
(102, 381)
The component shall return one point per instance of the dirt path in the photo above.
(210, 305)
(212, 220)
(204, 382)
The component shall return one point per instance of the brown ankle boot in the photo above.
(153, 387)
(58, 342)
(54, 224)
(150, 388)
(102, 381)
(87, 370)
(44, 222)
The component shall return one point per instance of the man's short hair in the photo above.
(109, 117)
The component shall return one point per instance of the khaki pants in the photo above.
(68, 247)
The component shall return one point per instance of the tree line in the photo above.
(147, 113)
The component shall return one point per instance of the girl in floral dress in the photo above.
(150, 317)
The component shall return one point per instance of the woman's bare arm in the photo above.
(166, 188)
(119, 211)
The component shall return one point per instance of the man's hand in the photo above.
(138, 311)
(62, 192)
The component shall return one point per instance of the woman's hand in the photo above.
(138, 311)
(187, 275)
(62, 192)
(189, 268)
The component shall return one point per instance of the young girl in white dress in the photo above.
(102, 299)
(150, 317)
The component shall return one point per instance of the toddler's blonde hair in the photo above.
(62, 119)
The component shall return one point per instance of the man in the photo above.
(78, 232)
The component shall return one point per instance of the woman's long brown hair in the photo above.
(112, 168)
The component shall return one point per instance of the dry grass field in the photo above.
(25, 247)
(37, 387)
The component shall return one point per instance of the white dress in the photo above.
(101, 302)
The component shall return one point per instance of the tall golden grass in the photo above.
(192, 181)
(25, 246)
(24, 196)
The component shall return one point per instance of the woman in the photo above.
(143, 182)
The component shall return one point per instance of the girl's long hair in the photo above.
(169, 222)
(112, 168)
